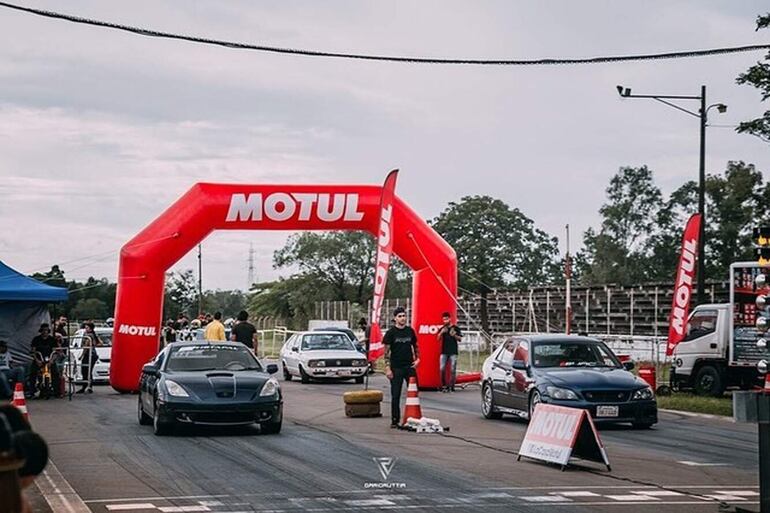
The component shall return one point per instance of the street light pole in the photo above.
(625, 92)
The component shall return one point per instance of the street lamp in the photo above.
(702, 114)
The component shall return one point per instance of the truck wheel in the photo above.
(708, 381)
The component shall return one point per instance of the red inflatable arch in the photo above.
(207, 207)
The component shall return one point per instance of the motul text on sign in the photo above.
(685, 276)
(282, 206)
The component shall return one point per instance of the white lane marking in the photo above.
(625, 498)
(182, 509)
(577, 493)
(659, 493)
(129, 507)
(491, 495)
(211, 503)
(58, 493)
(739, 493)
(726, 497)
(545, 498)
(371, 502)
(703, 464)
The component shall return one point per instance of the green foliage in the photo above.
(94, 297)
(181, 294)
(497, 244)
(91, 308)
(758, 76)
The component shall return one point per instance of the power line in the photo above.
(387, 58)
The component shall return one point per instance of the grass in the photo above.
(697, 404)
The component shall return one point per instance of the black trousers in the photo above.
(400, 376)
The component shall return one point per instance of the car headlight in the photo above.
(359, 363)
(270, 388)
(316, 363)
(643, 394)
(563, 394)
(175, 389)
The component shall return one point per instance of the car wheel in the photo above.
(286, 373)
(642, 425)
(708, 381)
(144, 419)
(303, 377)
(159, 427)
(488, 403)
(359, 380)
(534, 400)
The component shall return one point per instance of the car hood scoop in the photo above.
(222, 383)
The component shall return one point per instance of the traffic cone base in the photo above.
(412, 408)
(20, 401)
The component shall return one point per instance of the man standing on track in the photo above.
(401, 358)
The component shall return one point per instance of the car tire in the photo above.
(708, 381)
(488, 403)
(160, 428)
(303, 377)
(286, 373)
(359, 380)
(144, 419)
(641, 425)
(534, 400)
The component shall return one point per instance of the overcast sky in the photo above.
(101, 130)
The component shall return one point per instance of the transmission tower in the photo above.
(251, 266)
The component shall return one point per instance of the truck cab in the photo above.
(701, 358)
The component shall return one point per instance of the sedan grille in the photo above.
(342, 362)
(606, 396)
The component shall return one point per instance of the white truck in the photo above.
(720, 347)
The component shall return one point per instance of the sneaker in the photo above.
(393, 425)
(80, 391)
(451, 389)
(90, 390)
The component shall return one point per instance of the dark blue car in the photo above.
(578, 372)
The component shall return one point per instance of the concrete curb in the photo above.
(699, 415)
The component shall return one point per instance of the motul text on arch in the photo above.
(302, 206)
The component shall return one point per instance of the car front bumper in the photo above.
(220, 414)
(336, 372)
(636, 412)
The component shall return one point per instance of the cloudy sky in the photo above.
(101, 130)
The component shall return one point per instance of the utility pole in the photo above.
(251, 266)
(200, 281)
(568, 275)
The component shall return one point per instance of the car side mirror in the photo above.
(628, 365)
(150, 369)
(272, 368)
(295, 350)
(519, 365)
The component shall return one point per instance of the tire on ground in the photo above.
(362, 397)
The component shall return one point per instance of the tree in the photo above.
(496, 245)
(616, 253)
(91, 308)
(181, 294)
(664, 245)
(229, 302)
(758, 76)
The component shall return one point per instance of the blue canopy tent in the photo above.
(23, 307)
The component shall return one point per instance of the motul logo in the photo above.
(684, 286)
(282, 206)
(383, 262)
(559, 426)
(429, 329)
(144, 331)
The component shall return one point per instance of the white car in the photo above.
(101, 372)
(322, 354)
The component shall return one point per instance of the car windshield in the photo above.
(205, 357)
(572, 354)
(326, 341)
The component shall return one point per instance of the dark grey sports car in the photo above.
(209, 384)
(578, 372)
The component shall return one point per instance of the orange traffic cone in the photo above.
(767, 383)
(412, 409)
(19, 401)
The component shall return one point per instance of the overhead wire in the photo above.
(386, 58)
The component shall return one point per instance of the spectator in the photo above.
(215, 330)
(182, 321)
(207, 319)
(61, 330)
(43, 346)
(401, 359)
(245, 332)
(13, 373)
(449, 335)
(169, 333)
(88, 357)
(28, 444)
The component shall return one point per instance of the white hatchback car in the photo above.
(322, 354)
(101, 372)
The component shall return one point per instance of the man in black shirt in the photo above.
(401, 358)
(449, 335)
(244, 332)
(42, 348)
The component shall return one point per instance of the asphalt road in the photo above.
(102, 460)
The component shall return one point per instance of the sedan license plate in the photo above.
(343, 373)
(607, 411)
